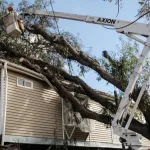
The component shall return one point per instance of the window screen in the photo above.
(24, 83)
(28, 84)
(21, 82)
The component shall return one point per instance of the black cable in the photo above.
(53, 14)
(55, 17)
(129, 23)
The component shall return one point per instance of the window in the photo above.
(24, 83)
(28, 84)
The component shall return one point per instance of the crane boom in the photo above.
(130, 29)
(135, 28)
(76, 17)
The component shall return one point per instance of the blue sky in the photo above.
(95, 36)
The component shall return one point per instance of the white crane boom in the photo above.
(76, 17)
(135, 28)
(129, 29)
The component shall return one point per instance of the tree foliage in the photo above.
(121, 65)
(46, 50)
(144, 7)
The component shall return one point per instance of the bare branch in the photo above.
(78, 56)
(96, 96)
(85, 113)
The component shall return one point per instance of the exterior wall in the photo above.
(37, 113)
(102, 133)
(32, 112)
(77, 134)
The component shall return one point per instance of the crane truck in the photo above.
(130, 138)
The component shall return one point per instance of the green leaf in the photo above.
(141, 3)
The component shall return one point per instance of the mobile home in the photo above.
(32, 112)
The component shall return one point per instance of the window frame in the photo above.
(25, 80)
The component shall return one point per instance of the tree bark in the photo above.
(104, 101)
(91, 93)
(83, 59)
(135, 126)
(86, 113)
(77, 55)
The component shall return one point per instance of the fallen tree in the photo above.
(53, 51)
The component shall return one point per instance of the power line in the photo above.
(129, 23)
(54, 17)
(102, 25)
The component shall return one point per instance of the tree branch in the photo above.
(91, 93)
(85, 113)
(78, 56)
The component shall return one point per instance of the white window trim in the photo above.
(25, 80)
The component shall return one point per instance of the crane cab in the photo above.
(11, 24)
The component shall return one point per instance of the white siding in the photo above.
(33, 112)
(102, 132)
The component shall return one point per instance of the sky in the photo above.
(92, 35)
(95, 36)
